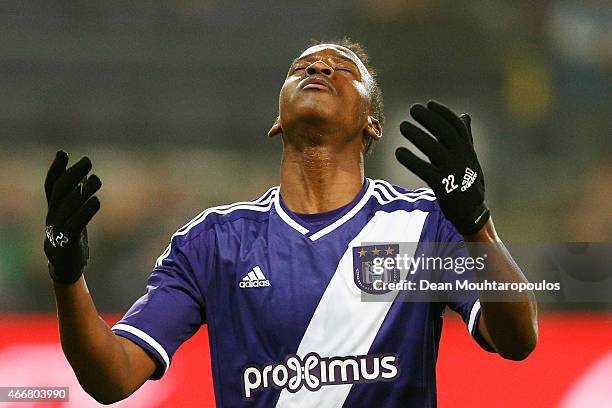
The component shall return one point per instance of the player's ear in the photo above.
(276, 128)
(373, 128)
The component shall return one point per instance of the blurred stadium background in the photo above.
(172, 101)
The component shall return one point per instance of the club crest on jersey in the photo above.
(363, 274)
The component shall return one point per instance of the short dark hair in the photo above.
(374, 91)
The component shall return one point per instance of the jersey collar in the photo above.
(294, 221)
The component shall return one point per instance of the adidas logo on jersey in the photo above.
(254, 279)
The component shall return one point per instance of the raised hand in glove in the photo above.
(71, 205)
(454, 173)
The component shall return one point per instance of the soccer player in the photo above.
(279, 280)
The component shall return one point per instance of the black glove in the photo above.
(454, 174)
(71, 206)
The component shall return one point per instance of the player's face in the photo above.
(326, 86)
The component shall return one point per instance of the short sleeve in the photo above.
(173, 307)
(451, 244)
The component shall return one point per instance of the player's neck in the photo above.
(319, 178)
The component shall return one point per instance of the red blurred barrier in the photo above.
(569, 344)
(571, 367)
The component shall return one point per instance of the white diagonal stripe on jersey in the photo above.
(252, 276)
(259, 273)
(342, 324)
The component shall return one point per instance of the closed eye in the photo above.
(350, 71)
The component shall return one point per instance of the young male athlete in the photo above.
(279, 280)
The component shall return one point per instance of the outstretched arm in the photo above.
(455, 176)
(108, 367)
(511, 327)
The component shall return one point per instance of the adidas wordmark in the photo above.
(254, 279)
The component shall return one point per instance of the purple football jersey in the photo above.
(282, 295)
